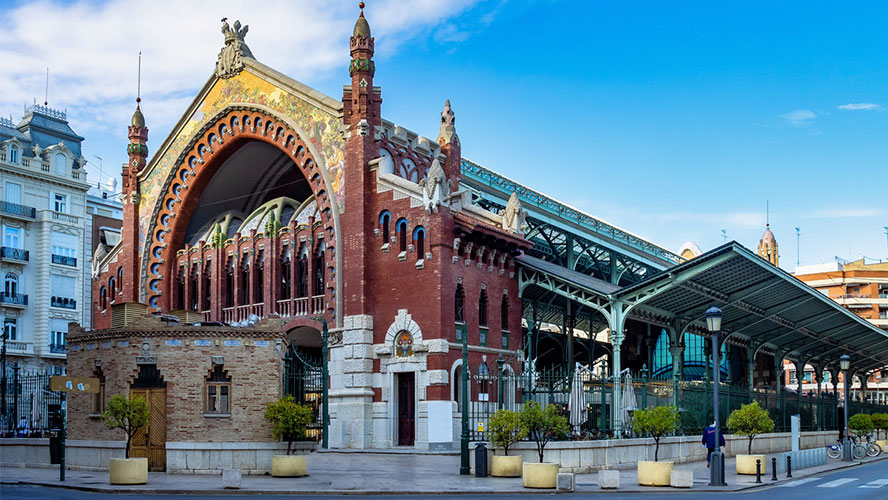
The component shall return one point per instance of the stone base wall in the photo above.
(24, 452)
(213, 458)
(590, 456)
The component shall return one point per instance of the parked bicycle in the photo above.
(872, 448)
(834, 450)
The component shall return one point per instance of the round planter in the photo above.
(884, 444)
(288, 466)
(537, 475)
(129, 470)
(654, 473)
(505, 466)
(746, 464)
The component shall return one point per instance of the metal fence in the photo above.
(489, 392)
(28, 408)
(304, 380)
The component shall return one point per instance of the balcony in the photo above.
(13, 299)
(58, 348)
(301, 306)
(64, 260)
(63, 302)
(14, 254)
(16, 210)
(60, 217)
(19, 347)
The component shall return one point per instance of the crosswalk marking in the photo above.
(878, 483)
(837, 482)
(799, 482)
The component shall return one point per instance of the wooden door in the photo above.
(150, 441)
(406, 409)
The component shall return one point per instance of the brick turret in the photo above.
(137, 150)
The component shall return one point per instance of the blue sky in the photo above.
(673, 120)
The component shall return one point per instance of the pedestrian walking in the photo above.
(709, 441)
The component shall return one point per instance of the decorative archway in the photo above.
(206, 152)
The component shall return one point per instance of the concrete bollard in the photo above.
(608, 479)
(231, 479)
(681, 478)
(565, 481)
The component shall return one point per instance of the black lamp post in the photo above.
(717, 465)
(464, 396)
(845, 364)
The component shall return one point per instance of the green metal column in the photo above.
(464, 437)
(324, 374)
(499, 390)
(616, 337)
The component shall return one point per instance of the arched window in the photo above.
(319, 264)
(302, 273)
(385, 219)
(207, 285)
(229, 283)
(419, 242)
(194, 303)
(180, 289)
(482, 309)
(459, 299)
(61, 163)
(402, 234)
(483, 382)
(13, 154)
(285, 274)
(120, 278)
(259, 279)
(504, 314)
(11, 285)
(245, 281)
(112, 288)
(103, 298)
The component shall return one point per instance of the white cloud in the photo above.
(799, 117)
(91, 49)
(859, 106)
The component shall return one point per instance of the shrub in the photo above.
(656, 421)
(750, 420)
(506, 429)
(288, 420)
(861, 424)
(126, 414)
(880, 421)
(543, 425)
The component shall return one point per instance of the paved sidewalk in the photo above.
(369, 473)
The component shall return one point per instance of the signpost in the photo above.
(83, 385)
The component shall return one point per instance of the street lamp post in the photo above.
(464, 396)
(845, 364)
(717, 466)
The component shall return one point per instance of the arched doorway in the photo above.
(304, 375)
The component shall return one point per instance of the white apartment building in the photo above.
(45, 248)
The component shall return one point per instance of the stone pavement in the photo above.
(369, 473)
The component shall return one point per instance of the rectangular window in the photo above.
(13, 192)
(64, 244)
(10, 328)
(218, 392)
(12, 237)
(58, 332)
(63, 291)
(60, 203)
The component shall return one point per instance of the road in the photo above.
(864, 482)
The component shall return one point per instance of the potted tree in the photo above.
(750, 420)
(288, 423)
(542, 426)
(880, 422)
(127, 414)
(657, 421)
(505, 430)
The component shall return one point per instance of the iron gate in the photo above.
(304, 379)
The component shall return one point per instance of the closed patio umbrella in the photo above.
(577, 404)
(629, 402)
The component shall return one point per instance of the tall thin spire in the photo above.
(46, 90)
(139, 82)
(767, 212)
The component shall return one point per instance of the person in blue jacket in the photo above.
(709, 441)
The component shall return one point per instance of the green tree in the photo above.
(880, 421)
(126, 414)
(750, 420)
(861, 424)
(656, 421)
(288, 420)
(543, 425)
(506, 429)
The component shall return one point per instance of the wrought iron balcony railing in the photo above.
(19, 299)
(15, 253)
(58, 348)
(63, 302)
(64, 260)
(18, 210)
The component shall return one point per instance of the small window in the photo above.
(218, 392)
(482, 309)
(402, 234)
(11, 284)
(10, 328)
(99, 397)
(61, 163)
(12, 237)
(103, 298)
(120, 278)
(112, 286)
(419, 242)
(13, 193)
(58, 331)
(385, 220)
(13, 154)
(60, 203)
(504, 314)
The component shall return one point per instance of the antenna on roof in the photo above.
(724, 236)
(798, 246)
(139, 82)
(768, 213)
(46, 91)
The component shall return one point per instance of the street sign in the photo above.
(74, 384)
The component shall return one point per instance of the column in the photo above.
(750, 372)
(616, 336)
